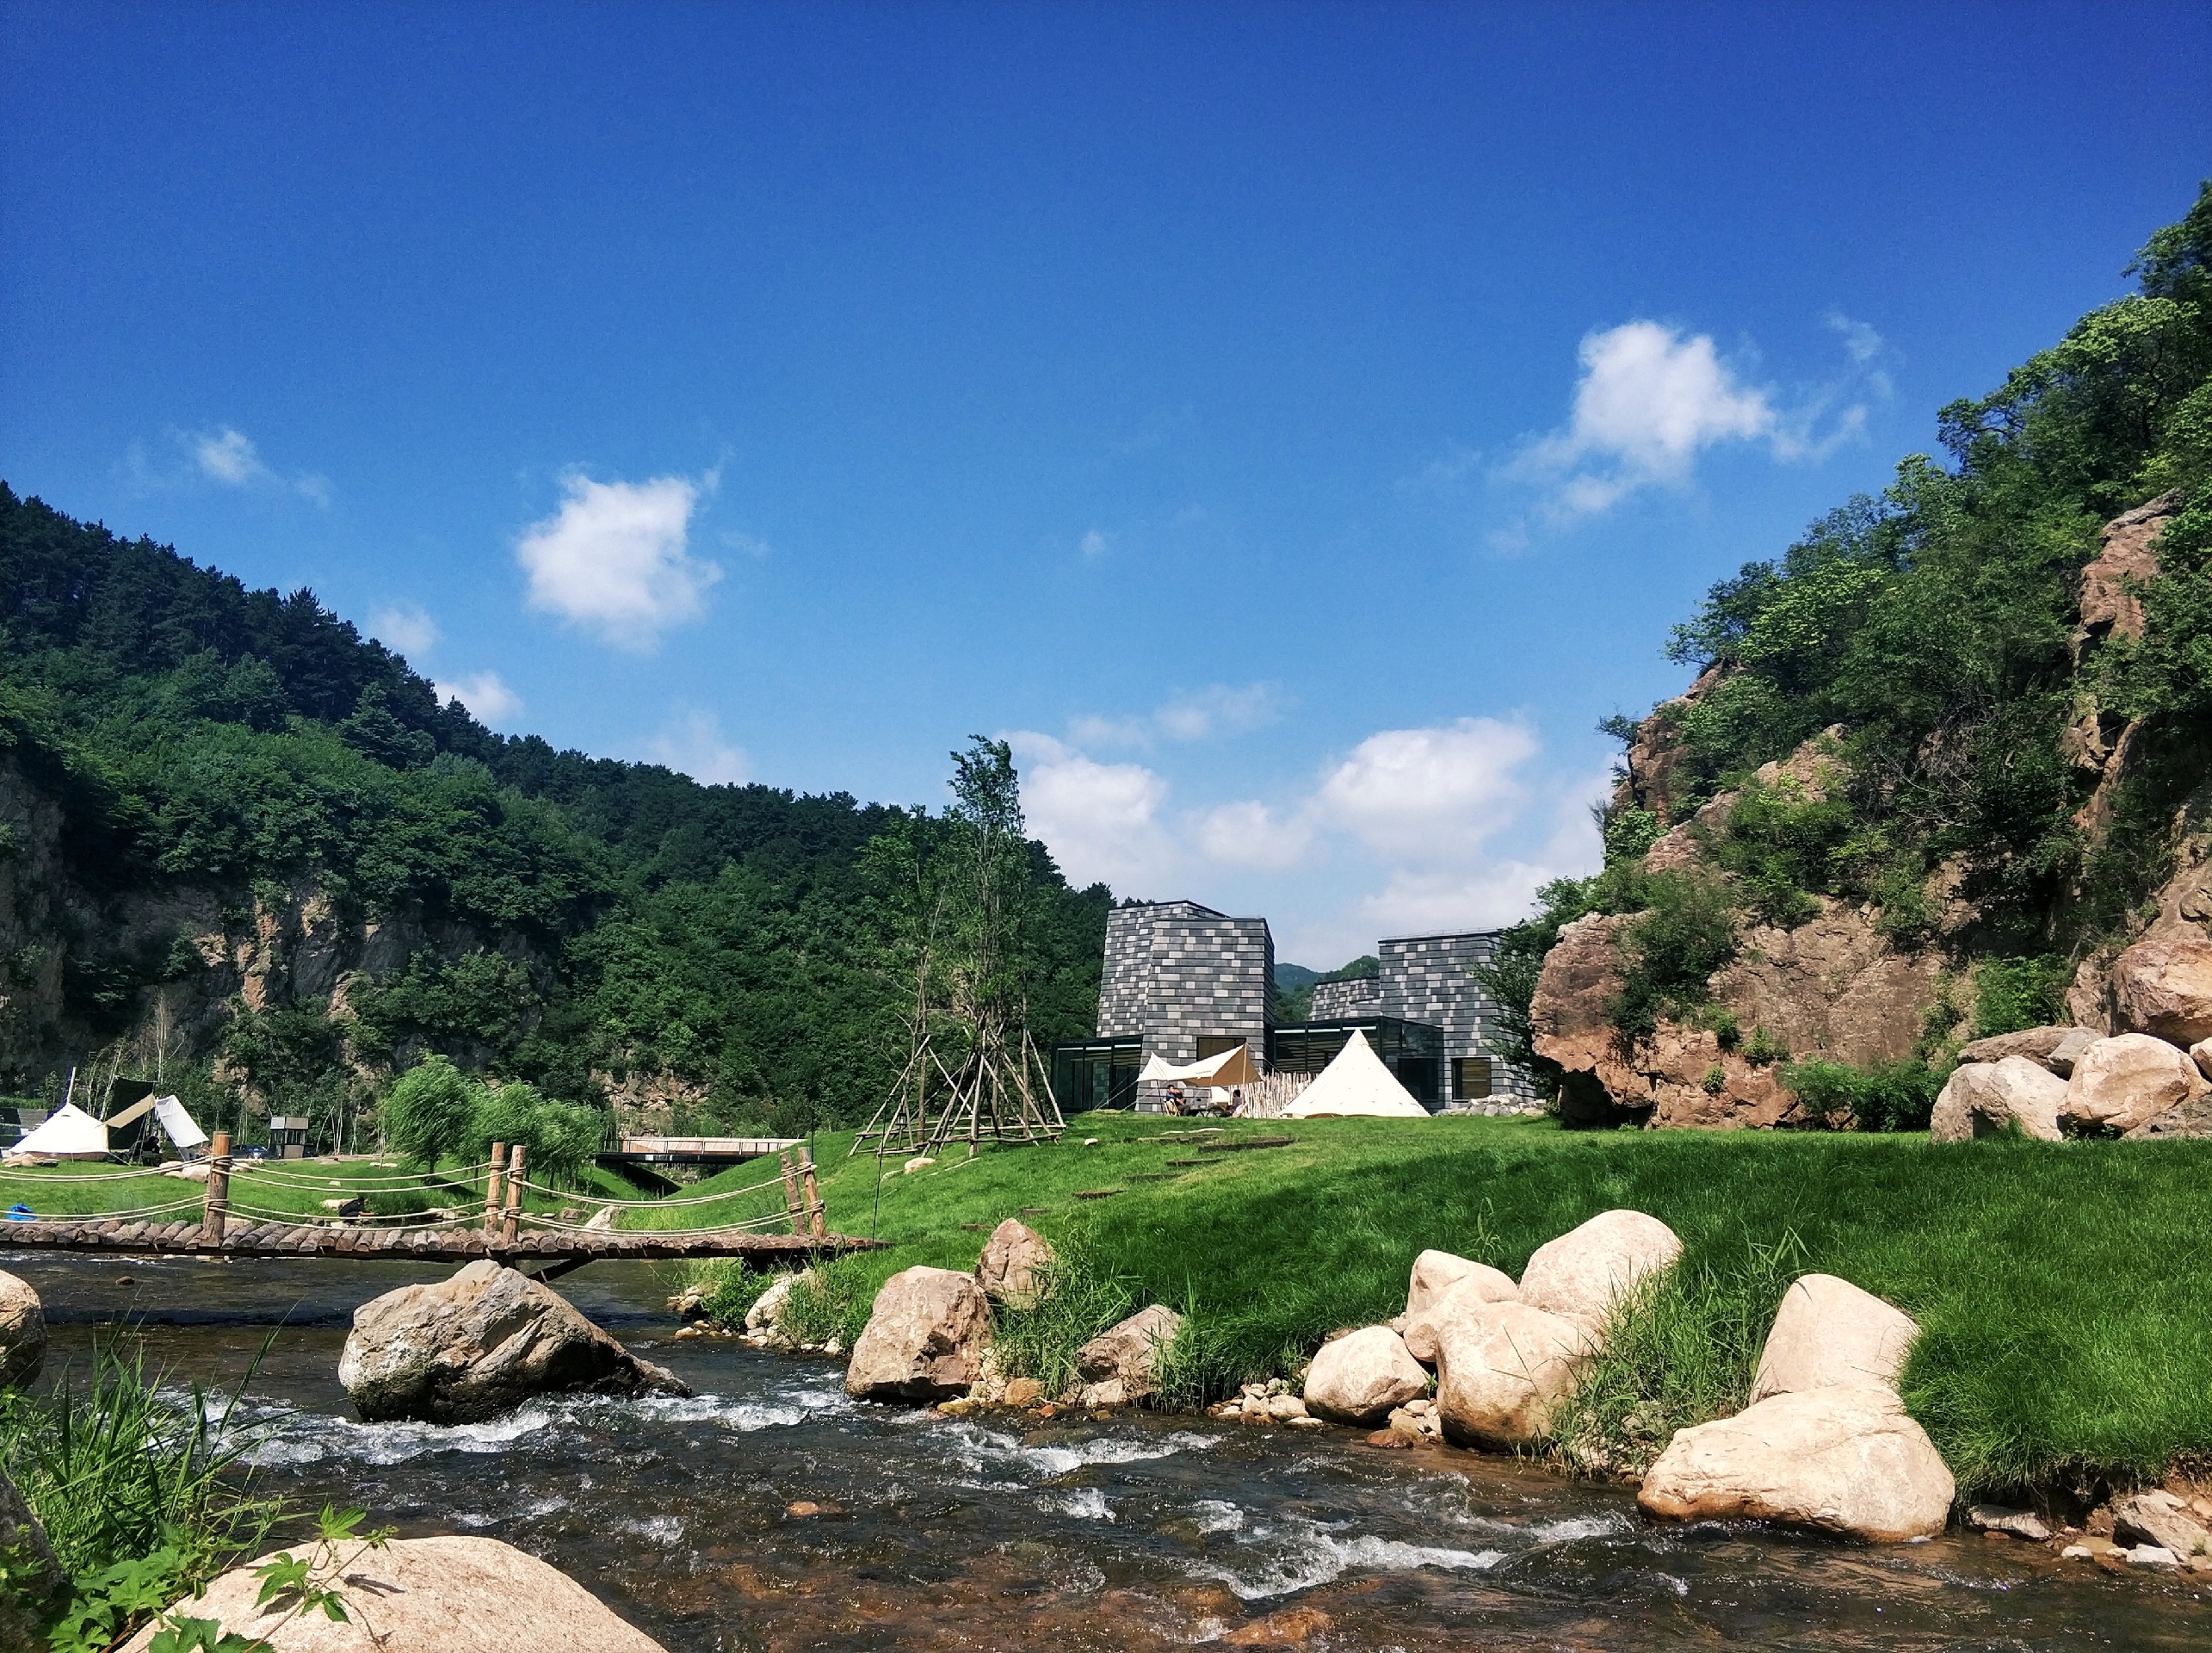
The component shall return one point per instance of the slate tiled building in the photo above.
(1186, 980)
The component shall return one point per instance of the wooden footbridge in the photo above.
(223, 1225)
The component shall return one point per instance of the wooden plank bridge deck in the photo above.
(567, 1248)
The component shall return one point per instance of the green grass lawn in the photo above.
(2064, 1290)
(286, 1187)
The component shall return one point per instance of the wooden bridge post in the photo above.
(511, 1229)
(790, 1191)
(814, 1222)
(215, 1207)
(494, 1194)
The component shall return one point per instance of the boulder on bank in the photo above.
(1467, 1293)
(1844, 1458)
(2200, 1053)
(461, 1350)
(1360, 1377)
(22, 1334)
(2128, 1080)
(1829, 1332)
(925, 1341)
(424, 1595)
(2189, 1118)
(1121, 1364)
(1016, 1262)
(2054, 1049)
(2162, 986)
(768, 1305)
(2155, 1516)
(1982, 1098)
(1435, 1272)
(1581, 1274)
(1502, 1368)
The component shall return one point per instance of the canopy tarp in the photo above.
(1219, 1072)
(70, 1134)
(1355, 1082)
(181, 1130)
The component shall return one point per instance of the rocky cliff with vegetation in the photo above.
(1943, 761)
(244, 845)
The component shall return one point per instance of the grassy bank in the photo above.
(2064, 1291)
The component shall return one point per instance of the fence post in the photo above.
(494, 1191)
(814, 1194)
(510, 1229)
(790, 1191)
(215, 1207)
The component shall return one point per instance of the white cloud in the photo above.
(1250, 834)
(747, 545)
(488, 699)
(1432, 795)
(1648, 402)
(1100, 820)
(1093, 544)
(1198, 714)
(227, 455)
(1860, 340)
(694, 745)
(616, 558)
(403, 627)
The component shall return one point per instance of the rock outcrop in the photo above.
(2055, 1048)
(1502, 1370)
(1579, 1276)
(1424, 1326)
(1844, 1458)
(1121, 1364)
(1828, 1332)
(2162, 986)
(2191, 1118)
(468, 1349)
(2128, 1080)
(1016, 1264)
(1360, 1377)
(22, 1334)
(424, 1595)
(1983, 1098)
(926, 1338)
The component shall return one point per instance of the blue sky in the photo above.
(1294, 426)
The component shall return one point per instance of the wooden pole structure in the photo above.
(815, 1224)
(215, 1207)
(494, 1193)
(790, 1191)
(511, 1229)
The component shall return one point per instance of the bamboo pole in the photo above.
(511, 1229)
(215, 1207)
(494, 1190)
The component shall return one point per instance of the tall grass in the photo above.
(1079, 1295)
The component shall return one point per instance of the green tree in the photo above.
(429, 1113)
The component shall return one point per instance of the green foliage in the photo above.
(1629, 831)
(1686, 931)
(1080, 1294)
(1893, 1096)
(1716, 1080)
(558, 1139)
(1783, 847)
(2011, 993)
(429, 1113)
(1511, 976)
(1764, 1048)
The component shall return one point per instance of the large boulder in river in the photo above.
(925, 1339)
(1502, 1370)
(2055, 1048)
(1844, 1458)
(468, 1349)
(1983, 1098)
(423, 1595)
(2128, 1080)
(2163, 986)
(1015, 1265)
(22, 1334)
(1580, 1275)
(1479, 1285)
(1829, 1332)
(1362, 1377)
(1435, 1272)
(1123, 1363)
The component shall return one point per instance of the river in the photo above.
(998, 1532)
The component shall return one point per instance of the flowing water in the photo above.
(996, 1532)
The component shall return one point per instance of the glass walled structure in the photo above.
(1097, 1074)
(1413, 1051)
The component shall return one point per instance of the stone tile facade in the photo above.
(1428, 979)
(1361, 996)
(1176, 972)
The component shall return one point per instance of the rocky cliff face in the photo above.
(1836, 986)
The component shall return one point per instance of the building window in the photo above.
(1470, 1078)
(1097, 1074)
(1213, 1044)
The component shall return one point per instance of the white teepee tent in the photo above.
(70, 1134)
(1355, 1082)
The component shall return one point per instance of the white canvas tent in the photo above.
(183, 1132)
(70, 1134)
(1220, 1071)
(1355, 1082)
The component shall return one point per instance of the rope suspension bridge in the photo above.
(223, 1220)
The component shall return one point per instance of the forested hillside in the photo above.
(242, 844)
(1941, 758)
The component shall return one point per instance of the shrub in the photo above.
(1764, 1048)
(1896, 1096)
(2011, 993)
(1687, 932)
(1715, 1080)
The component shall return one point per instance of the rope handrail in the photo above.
(102, 1176)
(305, 1220)
(269, 1171)
(557, 1226)
(641, 1204)
(135, 1214)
